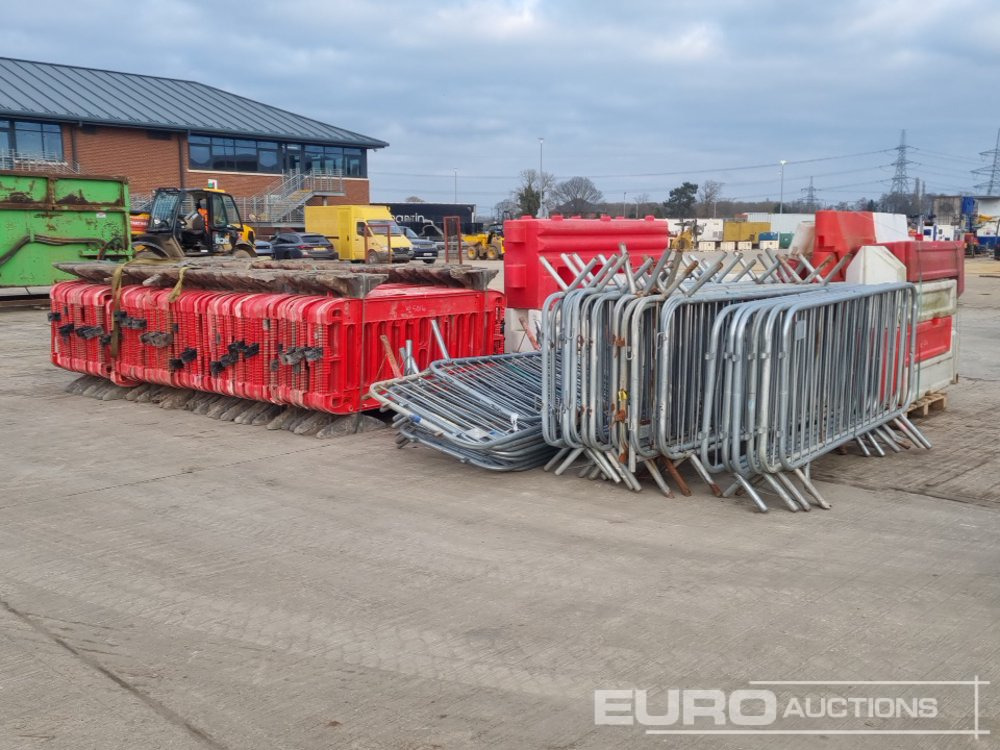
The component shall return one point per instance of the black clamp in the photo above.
(89, 332)
(158, 339)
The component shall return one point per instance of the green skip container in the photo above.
(54, 218)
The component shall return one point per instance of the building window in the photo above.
(354, 162)
(270, 157)
(232, 154)
(31, 140)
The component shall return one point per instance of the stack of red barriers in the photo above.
(322, 353)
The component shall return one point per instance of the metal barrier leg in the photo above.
(751, 493)
(797, 496)
(555, 459)
(780, 492)
(608, 470)
(627, 476)
(911, 430)
(682, 484)
(569, 459)
(889, 440)
(862, 446)
(657, 477)
(875, 444)
(699, 467)
(811, 488)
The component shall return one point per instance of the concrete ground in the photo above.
(169, 581)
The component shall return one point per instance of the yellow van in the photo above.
(360, 233)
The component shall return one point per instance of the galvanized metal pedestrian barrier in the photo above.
(642, 387)
(748, 366)
(481, 410)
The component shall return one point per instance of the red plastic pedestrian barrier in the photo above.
(526, 281)
(310, 346)
(930, 261)
(317, 352)
(933, 338)
(258, 314)
(148, 335)
(223, 343)
(81, 327)
(190, 361)
(329, 351)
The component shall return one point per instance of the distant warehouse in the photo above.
(168, 132)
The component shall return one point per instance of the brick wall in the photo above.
(357, 193)
(148, 163)
(239, 184)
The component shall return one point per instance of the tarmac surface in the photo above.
(170, 581)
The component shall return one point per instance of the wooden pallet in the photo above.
(931, 402)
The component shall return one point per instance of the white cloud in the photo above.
(689, 44)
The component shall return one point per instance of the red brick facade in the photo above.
(151, 162)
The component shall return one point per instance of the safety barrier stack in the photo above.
(312, 351)
(752, 369)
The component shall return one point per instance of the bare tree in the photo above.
(529, 195)
(577, 195)
(414, 199)
(508, 208)
(641, 202)
(708, 197)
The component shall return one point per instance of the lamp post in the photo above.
(781, 200)
(456, 185)
(541, 180)
(624, 202)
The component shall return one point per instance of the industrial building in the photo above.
(168, 132)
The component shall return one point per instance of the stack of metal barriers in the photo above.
(748, 366)
(481, 410)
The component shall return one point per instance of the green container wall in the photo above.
(785, 240)
(40, 212)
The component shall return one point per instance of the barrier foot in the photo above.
(811, 489)
(657, 477)
(671, 467)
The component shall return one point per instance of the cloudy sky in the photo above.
(637, 95)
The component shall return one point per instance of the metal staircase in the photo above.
(283, 201)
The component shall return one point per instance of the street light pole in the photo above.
(541, 180)
(456, 185)
(781, 201)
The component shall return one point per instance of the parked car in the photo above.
(423, 248)
(263, 248)
(286, 245)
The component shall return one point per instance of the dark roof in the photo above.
(70, 94)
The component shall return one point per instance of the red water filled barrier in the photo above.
(526, 241)
(318, 352)
(842, 232)
(933, 338)
(930, 261)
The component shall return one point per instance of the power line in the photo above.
(713, 170)
(993, 171)
(939, 154)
